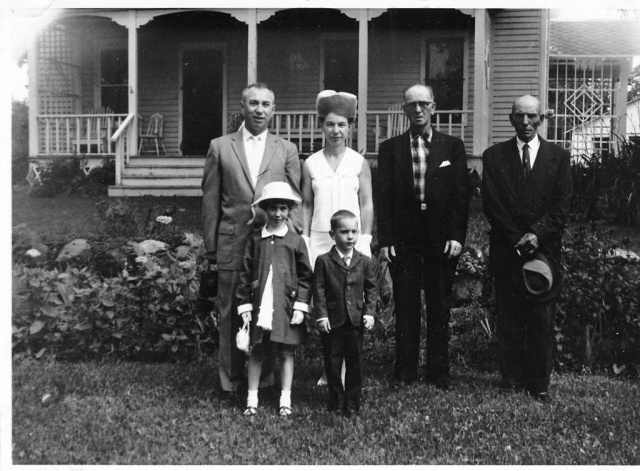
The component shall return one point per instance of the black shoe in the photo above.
(229, 396)
(542, 397)
(509, 386)
(349, 412)
(441, 382)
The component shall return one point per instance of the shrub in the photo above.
(65, 178)
(146, 310)
(598, 323)
(607, 187)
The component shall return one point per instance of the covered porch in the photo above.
(95, 73)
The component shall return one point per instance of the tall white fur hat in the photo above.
(341, 103)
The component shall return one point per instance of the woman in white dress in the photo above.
(335, 178)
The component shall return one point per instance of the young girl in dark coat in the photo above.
(274, 292)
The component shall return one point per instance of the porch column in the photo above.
(132, 29)
(619, 121)
(363, 79)
(34, 105)
(252, 47)
(482, 92)
(363, 16)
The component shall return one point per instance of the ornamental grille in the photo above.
(582, 96)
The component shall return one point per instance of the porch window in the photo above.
(341, 65)
(113, 79)
(444, 71)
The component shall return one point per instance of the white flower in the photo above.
(164, 219)
(142, 259)
(33, 253)
(187, 265)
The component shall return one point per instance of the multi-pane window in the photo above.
(113, 79)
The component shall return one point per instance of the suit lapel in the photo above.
(540, 172)
(238, 147)
(404, 158)
(269, 151)
(436, 154)
(336, 258)
(512, 165)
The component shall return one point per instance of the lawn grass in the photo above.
(142, 413)
(137, 413)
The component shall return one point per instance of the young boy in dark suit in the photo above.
(344, 296)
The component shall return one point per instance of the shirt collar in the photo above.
(278, 233)
(533, 143)
(428, 134)
(343, 255)
(246, 135)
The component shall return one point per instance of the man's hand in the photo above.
(212, 260)
(368, 322)
(453, 248)
(297, 317)
(527, 244)
(324, 326)
(246, 317)
(385, 252)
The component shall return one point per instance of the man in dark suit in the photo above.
(526, 191)
(237, 168)
(423, 203)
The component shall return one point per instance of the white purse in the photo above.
(243, 341)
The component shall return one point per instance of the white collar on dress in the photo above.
(278, 233)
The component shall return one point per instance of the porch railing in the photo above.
(303, 129)
(388, 123)
(124, 142)
(75, 134)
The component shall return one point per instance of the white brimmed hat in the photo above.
(341, 103)
(278, 191)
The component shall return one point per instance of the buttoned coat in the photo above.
(446, 193)
(228, 192)
(515, 207)
(292, 279)
(340, 291)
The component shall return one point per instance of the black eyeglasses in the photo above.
(415, 104)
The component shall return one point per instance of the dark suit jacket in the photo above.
(340, 291)
(514, 207)
(228, 192)
(446, 193)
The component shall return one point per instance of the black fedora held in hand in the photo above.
(538, 277)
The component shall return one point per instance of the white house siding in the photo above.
(516, 69)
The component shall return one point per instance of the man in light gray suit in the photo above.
(236, 169)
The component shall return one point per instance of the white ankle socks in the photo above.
(252, 398)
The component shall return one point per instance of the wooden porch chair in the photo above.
(93, 132)
(397, 123)
(153, 133)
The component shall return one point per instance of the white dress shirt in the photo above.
(254, 150)
(534, 146)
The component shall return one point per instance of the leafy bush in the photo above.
(607, 187)
(598, 323)
(66, 177)
(146, 310)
